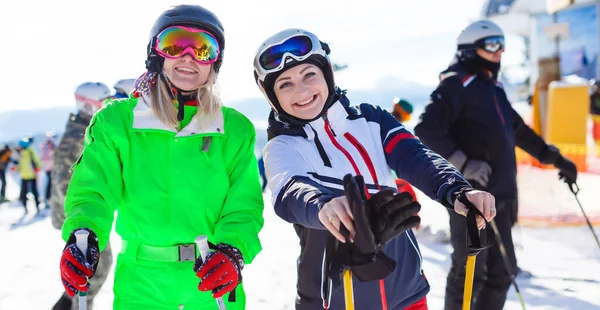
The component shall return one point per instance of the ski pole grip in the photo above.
(82, 244)
(82, 240)
(202, 243)
(474, 241)
(204, 250)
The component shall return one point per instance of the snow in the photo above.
(565, 261)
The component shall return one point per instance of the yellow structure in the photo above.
(567, 113)
(566, 118)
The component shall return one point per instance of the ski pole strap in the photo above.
(475, 242)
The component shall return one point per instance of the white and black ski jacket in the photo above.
(305, 166)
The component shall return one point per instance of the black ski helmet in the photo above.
(185, 15)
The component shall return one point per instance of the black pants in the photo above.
(491, 281)
(48, 186)
(3, 181)
(25, 184)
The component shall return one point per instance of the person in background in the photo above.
(28, 167)
(595, 110)
(123, 88)
(5, 154)
(263, 175)
(401, 110)
(47, 157)
(470, 121)
(89, 98)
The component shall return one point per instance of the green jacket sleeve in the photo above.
(95, 190)
(241, 218)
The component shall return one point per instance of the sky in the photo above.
(49, 47)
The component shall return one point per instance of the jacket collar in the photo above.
(144, 119)
(465, 68)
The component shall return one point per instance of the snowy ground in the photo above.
(565, 261)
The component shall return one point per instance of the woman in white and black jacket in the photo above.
(315, 139)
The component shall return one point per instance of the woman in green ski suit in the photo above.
(175, 164)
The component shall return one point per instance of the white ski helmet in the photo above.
(124, 87)
(473, 34)
(90, 97)
(287, 49)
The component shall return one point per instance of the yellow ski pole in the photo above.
(474, 245)
(468, 291)
(348, 290)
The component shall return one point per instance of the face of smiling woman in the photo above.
(302, 91)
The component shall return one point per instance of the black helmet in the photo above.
(185, 15)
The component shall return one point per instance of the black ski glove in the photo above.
(392, 214)
(567, 169)
(377, 221)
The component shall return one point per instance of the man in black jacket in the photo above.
(470, 121)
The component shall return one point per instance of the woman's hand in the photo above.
(483, 201)
(334, 213)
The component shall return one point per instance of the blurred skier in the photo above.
(28, 166)
(5, 154)
(263, 174)
(123, 88)
(90, 97)
(401, 110)
(47, 157)
(595, 110)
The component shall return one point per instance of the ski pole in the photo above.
(202, 243)
(507, 262)
(468, 291)
(348, 290)
(575, 191)
(347, 276)
(82, 244)
(474, 245)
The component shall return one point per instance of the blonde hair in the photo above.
(209, 102)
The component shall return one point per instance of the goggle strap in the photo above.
(325, 47)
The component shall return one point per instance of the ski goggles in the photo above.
(491, 44)
(273, 58)
(176, 41)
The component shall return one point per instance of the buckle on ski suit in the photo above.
(187, 252)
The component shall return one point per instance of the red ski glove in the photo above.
(221, 272)
(75, 269)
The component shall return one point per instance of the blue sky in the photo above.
(48, 51)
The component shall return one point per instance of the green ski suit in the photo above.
(167, 187)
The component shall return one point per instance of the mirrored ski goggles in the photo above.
(492, 44)
(176, 41)
(298, 47)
